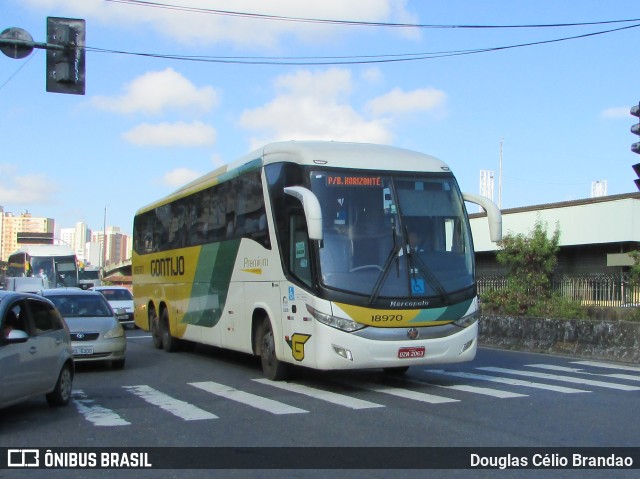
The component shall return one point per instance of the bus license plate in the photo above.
(82, 351)
(415, 352)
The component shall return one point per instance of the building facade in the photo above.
(109, 248)
(11, 225)
(596, 234)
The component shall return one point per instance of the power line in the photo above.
(18, 70)
(211, 11)
(348, 60)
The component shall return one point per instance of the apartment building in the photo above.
(24, 223)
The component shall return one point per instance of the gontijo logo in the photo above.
(168, 266)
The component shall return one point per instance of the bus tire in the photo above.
(169, 343)
(272, 368)
(154, 327)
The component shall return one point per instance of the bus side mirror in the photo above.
(493, 214)
(312, 211)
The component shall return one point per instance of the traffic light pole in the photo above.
(65, 48)
(635, 147)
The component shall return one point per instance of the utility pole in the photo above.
(500, 177)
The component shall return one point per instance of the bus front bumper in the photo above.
(337, 349)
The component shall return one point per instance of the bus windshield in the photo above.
(59, 270)
(394, 235)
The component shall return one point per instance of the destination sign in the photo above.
(346, 180)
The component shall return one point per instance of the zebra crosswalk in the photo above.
(433, 387)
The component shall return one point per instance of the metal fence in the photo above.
(612, 290)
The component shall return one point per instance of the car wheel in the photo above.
(169, 343)
(272, 367)
(61, 394)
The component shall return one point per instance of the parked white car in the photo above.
(35, 350)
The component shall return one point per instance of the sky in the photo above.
(177, 88)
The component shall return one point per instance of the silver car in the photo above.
(35, 350)
(96, 332)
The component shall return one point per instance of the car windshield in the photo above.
(116, 294)
(393, 235)
(71, 306)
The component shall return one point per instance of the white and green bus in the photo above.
(320, 254)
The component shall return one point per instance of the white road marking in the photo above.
(98, 415)
(627, 377)
(497, 393)
(249, 399)
(407, 394)
(510, 381)
(179, 408)
(569, 379)
(334, 398)
(598, 364)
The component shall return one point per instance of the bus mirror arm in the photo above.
(312, 211)
(493, 214)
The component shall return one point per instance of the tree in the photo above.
(530, 261)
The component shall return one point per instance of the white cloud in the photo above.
(189, 27)
(314, 106)
(155, 92)
(172, 134)
(398, 101)
(180, 177)
(27, 190)
(616, 112)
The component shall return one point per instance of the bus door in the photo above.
(297, 323)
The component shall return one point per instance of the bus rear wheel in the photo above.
(272, 368)
(169, 343)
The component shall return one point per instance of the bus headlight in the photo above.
(467, 320)
(342, 324)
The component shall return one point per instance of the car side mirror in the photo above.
(17, 336)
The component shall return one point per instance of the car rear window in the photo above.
(81, 305)
(116, 294)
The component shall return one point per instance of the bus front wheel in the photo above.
(272, 368)
(156, 334)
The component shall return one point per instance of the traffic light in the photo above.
(66, 55)
(635, 147)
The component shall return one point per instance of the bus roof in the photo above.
(45, 250)
(366, 156)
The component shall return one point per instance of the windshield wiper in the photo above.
(393, 254)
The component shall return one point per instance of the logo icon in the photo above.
(413, 333)
(296, 343)
(23, 458)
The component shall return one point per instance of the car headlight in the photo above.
(342, 324)
(116, 332)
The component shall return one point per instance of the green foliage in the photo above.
(635, 269)
(530, 261)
